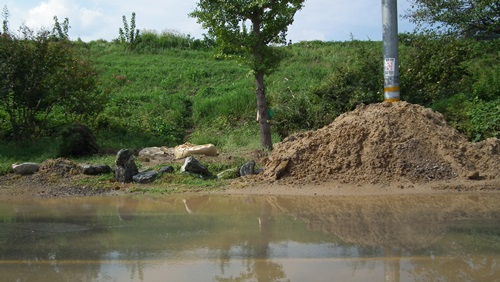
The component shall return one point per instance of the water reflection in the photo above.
(247, 238)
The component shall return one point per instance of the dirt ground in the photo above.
(377, 149)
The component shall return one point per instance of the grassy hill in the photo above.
(165, 96)
(177, 95)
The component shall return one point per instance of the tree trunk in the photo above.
(265, 128)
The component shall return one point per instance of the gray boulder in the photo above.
(248, 168)
(125, 167)
(25, 168)
(166, 169)
(145, 177)
(192, 165)
(89, 169)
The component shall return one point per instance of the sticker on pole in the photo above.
(389, 65)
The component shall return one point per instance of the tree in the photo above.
(469, 18)
(227, 22)
(5, 22)
(60, 31)
(128, 34)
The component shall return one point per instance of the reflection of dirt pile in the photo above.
(407, 221)
(381, 143)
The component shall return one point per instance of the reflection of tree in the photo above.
(260, 268)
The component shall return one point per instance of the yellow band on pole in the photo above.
(391, 100)
(392, 89)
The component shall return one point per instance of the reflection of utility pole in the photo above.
(391, 266)
(391, 60)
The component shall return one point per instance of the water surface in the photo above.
(252, 238)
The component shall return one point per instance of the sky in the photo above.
(325, 20)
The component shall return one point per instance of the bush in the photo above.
(475, 118)
(355, 77)
(77, 140)
(432, 67)
(39, 74)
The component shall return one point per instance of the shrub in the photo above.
(432, 67)
(39, 75)
(77, 140)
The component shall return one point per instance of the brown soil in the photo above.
(380, 144)
(385, 148)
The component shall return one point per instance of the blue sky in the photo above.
(327, 20)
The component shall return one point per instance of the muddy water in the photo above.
(252, 238)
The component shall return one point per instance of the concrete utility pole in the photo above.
(391, 60)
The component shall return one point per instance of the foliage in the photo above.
(151, 41)
(484, 120)
(60, 32)
(269, 21)
(40, 76)
(477, 119)
(322, 80)
(468, 18)
(432, 67)
(5, 21)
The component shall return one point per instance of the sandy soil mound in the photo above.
(381, 143)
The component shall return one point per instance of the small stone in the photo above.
(248, 168)
(473, 175)
(166, 169)
(192, 165)
(89, 169)
(145, 177)
(25, 168)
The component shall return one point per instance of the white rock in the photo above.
(25, 168)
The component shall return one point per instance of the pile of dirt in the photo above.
(383, 143)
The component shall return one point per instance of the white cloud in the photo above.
(43, 14)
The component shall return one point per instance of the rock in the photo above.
(25, 168)
(152, 151)
(89, 169)
(474, 175)
(145, 177)
(166, 169)
(192, 165)
(125, 167)
(188, 149)
(277, 169)
(248, 168)
(229, 174)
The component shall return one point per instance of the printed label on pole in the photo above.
(389, 66)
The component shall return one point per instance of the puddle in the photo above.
(252, 238)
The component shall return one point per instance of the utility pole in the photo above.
(391, 60)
